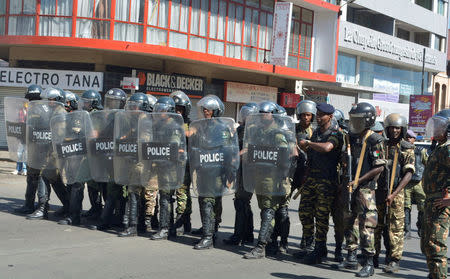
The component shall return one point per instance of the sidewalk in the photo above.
(6, 165)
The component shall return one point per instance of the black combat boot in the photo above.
(208, 225)
(306, 246)
(367, 270)
(43, 192)
(130, 217)
(239, 223)
(106, 216)
(272, 245)
(407, 223)
(419, 223)
(164, 218)
(178, 228)
(258, 252)
(318, 255)
(352, 260)
(30, 193)
(338, 257)
(40, 213)
(392, 267)
(76, 200)
(248, 233)
(285, 225)
(96, 204)
(187, 223)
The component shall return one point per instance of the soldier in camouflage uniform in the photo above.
(306, 112)
(363, 219)
(390, 202)
(437, 205)
(414, 189)
(318, 192)
(243, 222)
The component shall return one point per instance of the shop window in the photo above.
(22, 17)
(441, 7)
(93, 19)
(55, 18)
(129, 15)
(301, 39)
(346, 69)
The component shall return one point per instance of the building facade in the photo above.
(198, 46)
(382, 46)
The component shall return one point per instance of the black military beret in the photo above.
(325, 108)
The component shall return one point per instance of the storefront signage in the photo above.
(155, 82)
(420, 109)
(245, 93)
(289, 100)
(372, 42)
(22, 77)
(130, 83)
(281, 33)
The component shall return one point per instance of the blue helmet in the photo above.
(91, 100)
(139, 101)
(33, 92)
(268, 107)
(164, 104)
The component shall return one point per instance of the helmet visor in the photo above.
(160, 107)
(114, 103)
(357, 124)
(436, 127)
(132, 105)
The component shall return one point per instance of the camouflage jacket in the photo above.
(436, 176)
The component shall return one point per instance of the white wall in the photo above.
(324, 42)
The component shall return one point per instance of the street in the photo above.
(44, 249)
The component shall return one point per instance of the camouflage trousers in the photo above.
(414, 191)
(315, 205)
(151, 201)
(362, 222)
(183, 195)
(434, 239)
(393, 229)
(340, 214)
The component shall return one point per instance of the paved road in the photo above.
(44, 249)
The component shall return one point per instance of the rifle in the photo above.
(391, 182)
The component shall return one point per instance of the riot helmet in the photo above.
(362, 117)
(91, 100)
(115, 98)
(212, 103)
(306, 106)
(71, 101)
(339, 117)
(33, 92)
(182, 100)
(164, 104)
(151, 100)
(246, 110)
(396, 120)
(281, 110)
(438, 126)
(53, 94)
(138, 101)
(268, 107)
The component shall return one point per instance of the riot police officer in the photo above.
(40, 116)
(390, 194)
(243, 222)
(214, 160)
(71, 101)
(115, 98)
(92, 101)
(127, 169)
(437, 204)
(33, 93)
(267, 155)
(368, 158)
(182, 223)
(166, 130)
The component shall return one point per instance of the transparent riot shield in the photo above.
(40, 153)
(213, 156)
(269, 147)
(15, 123)
(100, 145)
(69, 134)
(127, 169)
(162, 150)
